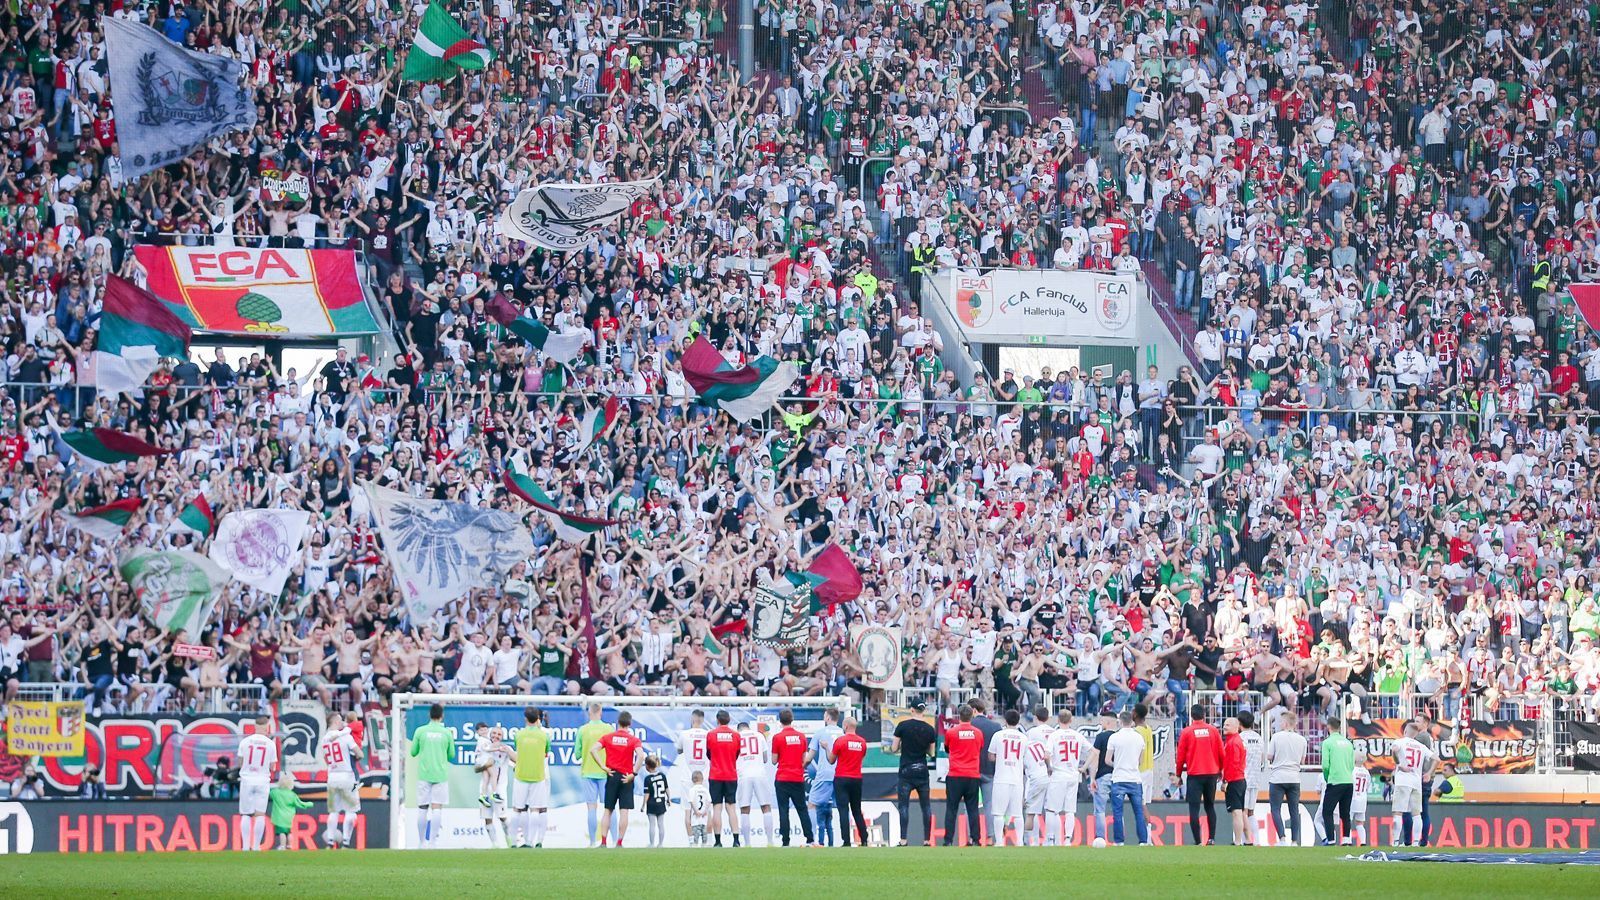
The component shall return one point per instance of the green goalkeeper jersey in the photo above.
(434, 750)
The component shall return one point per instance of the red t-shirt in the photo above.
(789, 749)
(620, 746)
(848, 751)
(963, 743)
(722, 746)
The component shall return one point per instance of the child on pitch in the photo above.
(1360, 784)
(697, 810)
(282, 802)
(655, 800)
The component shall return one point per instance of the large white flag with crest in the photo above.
(259, 547)
(441, 549)
(169, 101)
(561, 216)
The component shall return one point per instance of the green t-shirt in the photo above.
(588, 735)
(1338, 760)
(552, 661)
(435, 750)
(281, 805)
(533, 745)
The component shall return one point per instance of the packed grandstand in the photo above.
(1372, 477)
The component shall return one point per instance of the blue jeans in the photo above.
(99, 687)
(1102, 797)
(1183, 288)
(1088, 697)
(547, 685)
(821, 798)
(1180, 707)
(1133, 791)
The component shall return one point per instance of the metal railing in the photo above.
(246, 699)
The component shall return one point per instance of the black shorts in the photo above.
(619, 793)
(1235, 795)
(700, 682)
(724, 792)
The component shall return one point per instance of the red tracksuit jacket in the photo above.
(1200, 750)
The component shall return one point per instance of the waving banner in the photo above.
(260, 546)
(441, 549)
(177, 589)
(261, 292)
(169, 101)
(780, 613)
(568, 216)
(878, 647)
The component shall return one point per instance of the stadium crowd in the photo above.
(1377, 477)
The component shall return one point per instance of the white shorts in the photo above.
(1358, 808)
(430, 794)
(253, 798)
(756, 790)
(1252, 793)
(530, 794)
(342, 795)
(1007, 801)
(1148, 779)
(1062, 796)
(1033, 802)
(1407, 799)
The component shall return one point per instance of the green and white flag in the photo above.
(177, 589)
(107, 522)
(442, 48)
(196, 518)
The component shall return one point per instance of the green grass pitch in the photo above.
(1003, 874)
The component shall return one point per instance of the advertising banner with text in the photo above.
(1028, 306)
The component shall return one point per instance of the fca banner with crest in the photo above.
(260, 292)
(779, 614)
(1054, 306)
(169, 101)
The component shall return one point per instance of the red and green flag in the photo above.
(833, 577)
(136, 330)
(106, 522)
(597, 422)
(442, 48)
(196, 518)
(744, 392)
(567, 526)
(561, 346)
(102, 447)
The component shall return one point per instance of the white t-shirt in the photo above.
(1125, 748)
(692, 750)
(1067, 750)
(339, 751)
(753, 756)
(1286, 751)
(257, 755)
(1410, 758)
(1036, 766)
(505, 664)
(474, 664)
(1007, 746)
(1253, 750)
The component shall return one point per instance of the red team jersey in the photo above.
(789, 751)
(964, 743)
(722, 746)
(849, 750)
(620, 746)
